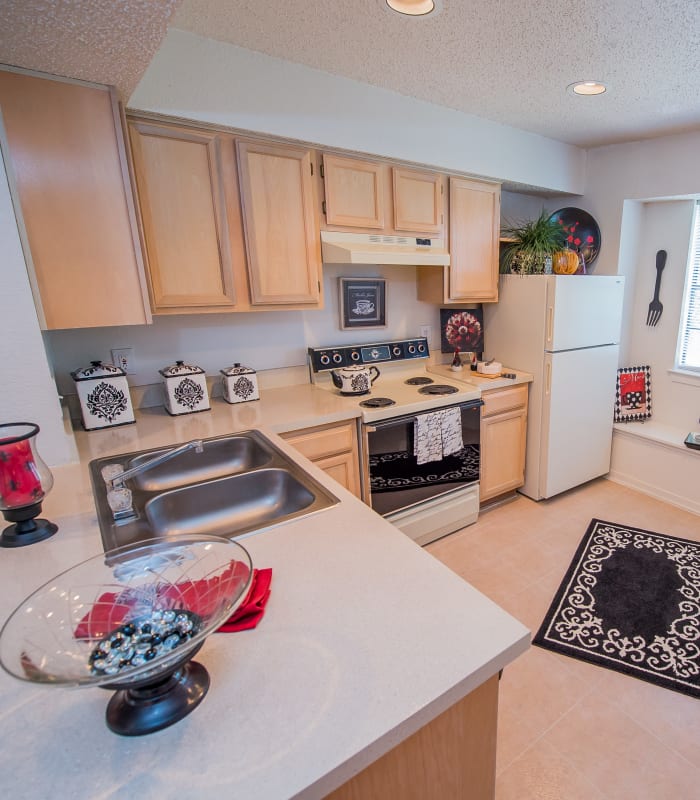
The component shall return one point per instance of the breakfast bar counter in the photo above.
(366, 640)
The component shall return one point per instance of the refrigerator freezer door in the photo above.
(577, 417)
(583, 311)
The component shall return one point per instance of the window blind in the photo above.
(688, 356)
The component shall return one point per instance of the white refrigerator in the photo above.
(565, 330)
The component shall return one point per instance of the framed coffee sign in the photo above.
(362, 303)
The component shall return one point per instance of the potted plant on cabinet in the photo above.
(528, 247)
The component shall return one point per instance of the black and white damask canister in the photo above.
(240, 384)
(184, 388)
(104, 396)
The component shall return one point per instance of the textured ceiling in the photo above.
(105, 41)
(506, 60)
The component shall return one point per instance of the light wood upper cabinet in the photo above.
(374, 196)
(417, 200)
(281, 227)
(181, 197)
(474, 225)
(475, 214)
(67, 158)
(354, 192)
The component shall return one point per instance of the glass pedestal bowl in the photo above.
(131, 619)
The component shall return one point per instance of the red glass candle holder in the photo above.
(24, 482)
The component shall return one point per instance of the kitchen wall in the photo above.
(261, 339)
(628, 190)
(211, 81)
(28, 391)
(199, 78)
(663, 226)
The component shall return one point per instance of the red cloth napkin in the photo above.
(108, 613)
(251, 610)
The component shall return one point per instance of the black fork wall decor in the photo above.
(655, 307)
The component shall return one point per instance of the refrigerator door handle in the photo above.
(548, 378)
(550, 324)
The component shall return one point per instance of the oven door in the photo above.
(397, 481)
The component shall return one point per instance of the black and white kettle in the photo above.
(355, 379)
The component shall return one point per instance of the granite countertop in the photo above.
(366, 638)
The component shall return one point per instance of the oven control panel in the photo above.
(322, 358)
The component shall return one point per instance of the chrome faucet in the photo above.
(118, 495)
(118, 480)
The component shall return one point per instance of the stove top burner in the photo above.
(438, 388)
(419, 381)
(377, 402)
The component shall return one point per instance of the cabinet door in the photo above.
(354, 192)
(417, 201)
(502, 453)
(334, 449)
(281, 227)
(343, 469)
(474, 220)
(178, 177)
(66, 153)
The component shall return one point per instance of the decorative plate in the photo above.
(582, 233)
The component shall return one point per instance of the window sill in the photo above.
(685, 376)
(665, 435)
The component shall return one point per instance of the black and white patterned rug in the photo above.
(630, 601)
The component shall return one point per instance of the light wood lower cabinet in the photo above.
(503, 432)
(65, 151)
(334, 449)
(451, 758)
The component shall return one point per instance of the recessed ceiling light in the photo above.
(413, 8)
(587, 87)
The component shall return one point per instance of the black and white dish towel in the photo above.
(437, 434)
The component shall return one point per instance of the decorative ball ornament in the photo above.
(565, 262)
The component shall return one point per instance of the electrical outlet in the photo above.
(123, 357)
(426, 331)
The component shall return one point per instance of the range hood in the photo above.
(375, 248)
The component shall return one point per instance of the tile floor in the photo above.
(567, 729)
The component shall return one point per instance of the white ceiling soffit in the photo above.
(94, 40)
(508, 61)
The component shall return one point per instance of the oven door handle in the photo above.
(402, 420)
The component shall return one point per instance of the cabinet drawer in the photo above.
(323, 441)
(499, 400)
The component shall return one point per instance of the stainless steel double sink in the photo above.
(237, 485)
